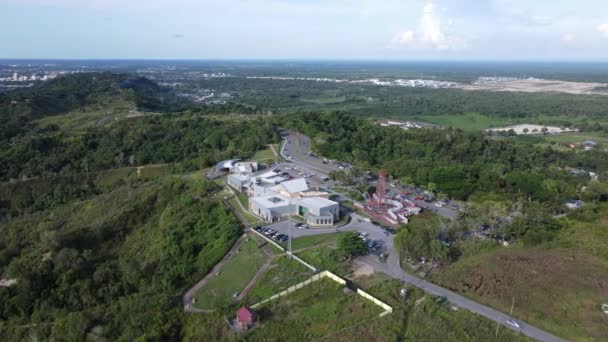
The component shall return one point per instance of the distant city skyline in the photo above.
(392, 30)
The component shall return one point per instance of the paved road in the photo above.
(296, 149)
(392, 266)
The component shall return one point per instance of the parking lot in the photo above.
(382, 240)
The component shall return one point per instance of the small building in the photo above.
(238, 181)
(589, 145)
(246, 318)
(226, 165)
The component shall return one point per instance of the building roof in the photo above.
(271, 201)
(295, 185)
(316, 202)
(240, 178)
(266, 175)
(226, 164)
(245, 314)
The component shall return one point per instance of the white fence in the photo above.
(311, 267)
(269, 240)
(387, 308)
(326, 274)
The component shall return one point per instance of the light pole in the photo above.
(290, 251)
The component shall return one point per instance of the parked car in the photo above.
(514, 323)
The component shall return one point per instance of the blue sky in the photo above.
(306, 29)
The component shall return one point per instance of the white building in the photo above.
(271, 208)
(318, 211)
(274, 198)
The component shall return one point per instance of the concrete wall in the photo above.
(326, 274)
(387, 308)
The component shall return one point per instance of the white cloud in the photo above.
(405, 37)
(603, 29)
(568, 37)
(432, 33)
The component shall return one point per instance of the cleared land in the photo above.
(233, 277)
(533, 129)
(536, 85)
(265, 156)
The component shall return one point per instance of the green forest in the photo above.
(99, 248)
(107, 219)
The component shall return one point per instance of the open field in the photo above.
(265, 156)
(232, 278)
(469, 121)
(313, 240)
(577, 138)
(324, 258)
(314, 311)
(92, 117)
(533, 129)
(559, 290)
(540, 86)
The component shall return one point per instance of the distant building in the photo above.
(589, 145)
(246, 318)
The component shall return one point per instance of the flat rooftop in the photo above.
(316, 202)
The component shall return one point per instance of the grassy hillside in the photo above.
(559, 286)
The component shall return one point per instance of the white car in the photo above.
(367, 219)
(514, 323)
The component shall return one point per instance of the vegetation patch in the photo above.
(314, 311)
(556, 289)
(233, 276)
(283, 273)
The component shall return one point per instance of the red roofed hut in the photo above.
(246, 318)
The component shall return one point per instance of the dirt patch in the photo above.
(537, 85)
(362, 269)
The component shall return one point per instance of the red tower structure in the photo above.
(379, 197)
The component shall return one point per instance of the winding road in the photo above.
(295, 149)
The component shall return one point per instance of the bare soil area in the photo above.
(536, 85)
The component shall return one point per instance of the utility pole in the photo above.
(290, 251)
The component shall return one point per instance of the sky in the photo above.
(544, 30)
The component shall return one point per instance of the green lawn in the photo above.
(233, 277)
(283, 273)
(577, 138)
(92, 116)
(312, 312)
(250, 218)
(313, 240)
(470, 121)
(324, 258)
(264, 156)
